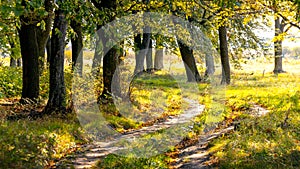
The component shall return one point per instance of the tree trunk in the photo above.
(97, 56)
(77, 48)
(110, 62)
(19, 62)
(189, 63)
(210, 65)
(278, 47)
(224, 55)
(13, 61)
(43, 34)
(149, 59)
(57, 91)
(159, 59)
(48, 48)
(32, 42)
(41, 47)
(139, 54)
(111, 58)
(30, 55)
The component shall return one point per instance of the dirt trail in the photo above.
(91, 153)
(197, 156)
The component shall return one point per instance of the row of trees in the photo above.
(31, 26)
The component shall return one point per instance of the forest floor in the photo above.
(242, 135)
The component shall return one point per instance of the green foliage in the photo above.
(119, 162)
(10, 82)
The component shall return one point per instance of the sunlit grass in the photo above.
(271, 141)
(36, 143)
(114, 161)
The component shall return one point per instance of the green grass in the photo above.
(34, 144)
(265, 142)
(114, 161)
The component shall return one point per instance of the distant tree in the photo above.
(224, 55)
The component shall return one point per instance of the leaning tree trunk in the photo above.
(278, 47)
(30, 55)
(159, 59)
(224, 55)
(57, 93)
(43, 33)
(210, 65)
(77, 46)
(189, 63)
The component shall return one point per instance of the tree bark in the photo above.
(13, 61)
(19, 62)
(98, 55)
(110, 59)
(110, 62)
(159, 59)
(32, 42)
(149, 59)
(30, 55)
(56, 102)
(77, 48)
(278, 47)
(43, 34)
(224, 55)
(210, 65)
(139, 54)
(189, 63)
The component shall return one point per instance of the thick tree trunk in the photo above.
(48, 48)
(32, 42)
(110, 71)
(57, 91)
(189, 63)
(30, 55)
(210, 65)
(159, 59)
(278, 47)
(224, 55)
(111, 58)
(77, 46)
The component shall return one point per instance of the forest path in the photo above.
(197, 156)
(91, 153)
